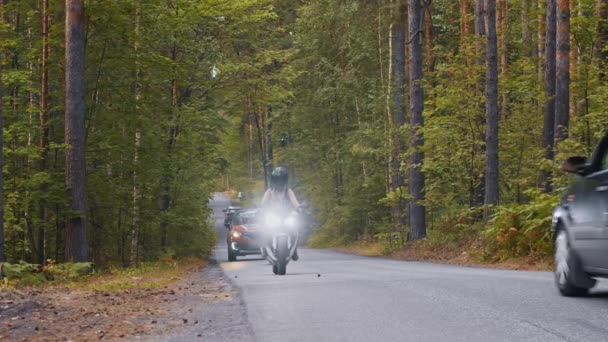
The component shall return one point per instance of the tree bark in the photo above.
(2, 247)
(417, 210)
(428, 35)
(562, 65)
(399, 31)
(480, 44)
(389, 124)
(76, 248)
(541, 41)
(502, 28)
(465, 20)
(135, 231)
(601, 53)
(573, 66)
(526, 37)
(166, 181)
(250, 143)
(44, 130)
(269, 151)
(480, 21)
(491, 174)
(549, 110)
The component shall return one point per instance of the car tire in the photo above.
(231, 254)
(567, 265)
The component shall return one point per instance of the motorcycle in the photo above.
(282, 239)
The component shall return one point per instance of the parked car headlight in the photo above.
(236, 234)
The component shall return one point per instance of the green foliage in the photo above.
(521, 230)
(66, 272)
(25, 274)
(169, 71)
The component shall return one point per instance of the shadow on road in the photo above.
(598, 294)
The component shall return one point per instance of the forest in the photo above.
(444, 121)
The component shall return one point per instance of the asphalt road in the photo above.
(330, 296)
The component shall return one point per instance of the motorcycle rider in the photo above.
(280, 196)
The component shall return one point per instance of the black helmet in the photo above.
(279, 178)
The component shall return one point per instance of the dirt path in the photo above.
(204, 305)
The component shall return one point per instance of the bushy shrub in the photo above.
(521, 230)
(24, 274)
(67, 271)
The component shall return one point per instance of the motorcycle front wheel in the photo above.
(282, 253)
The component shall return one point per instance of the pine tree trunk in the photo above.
(399, 31)
(269, 151)
(573, 66)
(417, 211)
(502, 27)
(2, 247)
(135, 231)
(465, 20)
(491, 173)
(258, 125)
(44, 130)
(478, 191)
(541, 41)
(480, 18)
(388, 123)
(562, 65)
(76, 248)
(250, 144)
(600, 51)
(166, 181)
(428, 35)
(549, 108)
(526, 37)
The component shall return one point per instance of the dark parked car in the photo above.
(243, 236)
(580, 224)
(230, 212)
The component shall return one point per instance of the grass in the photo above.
(147, 275)
(365, 248)
(448, 253)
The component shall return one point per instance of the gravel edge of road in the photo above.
(221, 315)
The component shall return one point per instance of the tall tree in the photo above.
(2, 250)
(465, 19)
(502, 10)
(562, 65)
(417, 210)
(135, 231)
(601, 53)
(399, 32)
(76, 248)
(526, 35)
(549, 107)
(44, 130)
(492, 171)
(477, 191)
(428, 35)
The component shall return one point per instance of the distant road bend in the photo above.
(374, 299)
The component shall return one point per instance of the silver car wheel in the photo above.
(562, 252)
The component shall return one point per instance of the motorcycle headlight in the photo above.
(236, 234)
(291, 222)
(272, 221)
